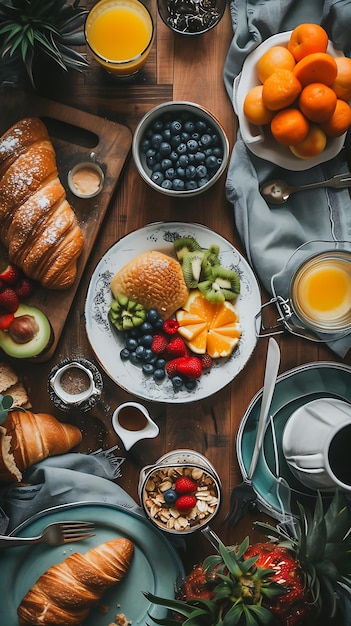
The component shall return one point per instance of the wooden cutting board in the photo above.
(75, 135)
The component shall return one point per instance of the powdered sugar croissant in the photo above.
(66, 592)
(37, 225)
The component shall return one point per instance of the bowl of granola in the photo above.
(181, 492)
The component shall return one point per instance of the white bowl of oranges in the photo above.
(292, 98)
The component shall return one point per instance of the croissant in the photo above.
(26, 438)
(37, 225)
(66, 592)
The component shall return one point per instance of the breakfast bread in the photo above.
(154, 280)
(11, 385)
(37, 225)
(27, 438)
(66, 592)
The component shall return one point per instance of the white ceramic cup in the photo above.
(317, 442)
(57, 383)
(132, 422)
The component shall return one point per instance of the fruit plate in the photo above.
(258, 138)
(107, 343)
(156, 566)
(294, 388)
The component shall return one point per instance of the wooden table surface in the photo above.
(178, 68)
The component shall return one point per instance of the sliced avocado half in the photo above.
(41, 341)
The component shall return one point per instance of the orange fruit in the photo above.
(340, 121)
(317, 102)
(342, 83)
(276, 58)
(313, 144)
(211, 327)
(318, 67)
(306, 39)
(289, 127)
(280, 90)
(254, 108)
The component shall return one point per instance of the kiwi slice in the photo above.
(126, 314)
(191, 267)
(184, 245)
(211, 258)
(224, 284)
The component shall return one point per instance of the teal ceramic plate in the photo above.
(293, 389)
(155, 566)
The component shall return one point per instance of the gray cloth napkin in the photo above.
(270, 236)
(64, 479)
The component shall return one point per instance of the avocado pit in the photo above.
(23, 328)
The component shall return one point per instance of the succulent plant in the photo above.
(29, 28)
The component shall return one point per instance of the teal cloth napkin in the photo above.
(64, 479)
(271, 235)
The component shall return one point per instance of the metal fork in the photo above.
(243, 496)
(54, 534)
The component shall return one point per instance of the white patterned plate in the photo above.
(107, 343)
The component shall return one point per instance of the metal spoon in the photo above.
(278, 191)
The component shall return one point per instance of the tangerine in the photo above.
(313, 144)
(342, 83)
(317, 102)
(289, 127)
(254, 108)
(340, 121)
(307, 38)
(211, 327)
(318, 67)
(280, 90)
(276, 58)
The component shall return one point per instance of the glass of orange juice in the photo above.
(119, 34)
(320, 292)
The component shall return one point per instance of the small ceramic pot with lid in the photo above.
(86, 178)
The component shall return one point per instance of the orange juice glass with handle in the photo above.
(119, 34)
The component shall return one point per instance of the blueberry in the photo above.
(201, 171)
(159, 374)
(148, 369)
(184, 137)
(177, 382)
(175, 141)
(167, 184)
(199, 157)
(150, 161)
(170, 496)
(140, 351)
(206, 140)
(200, 126)
(190, 384)
(152, 316)
(190, 172)
(174, 156)
(131, 344)
(157, 177)
(211, 162)
(180, 171)
(146, 340)
(192, 145)
(178, 184)
(166, 163)
(170, 173)
(160, 364)
(134, 358)
(148, 355)
(189, 126)
(191, 184)
(183, 160)
(156, 140)
(181, 148)
(165, 148)
(146, 328)
(145, 145)
(124, 354)
(176, 127)
(167, 134)
(218, 152)
(158, 125)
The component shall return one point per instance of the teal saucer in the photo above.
(293, 389)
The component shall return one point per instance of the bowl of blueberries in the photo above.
(180, 149)
(191, 17)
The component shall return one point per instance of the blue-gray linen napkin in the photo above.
(271, 235)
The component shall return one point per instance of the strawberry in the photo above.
(9, 300)
(170, 327)
(6, 320)
(171, 368)
(185, 503)
(176, 347)
(24, 288)
(184, 484)
(159, 344)
(206, 361)
(10, 274)
(190, 366)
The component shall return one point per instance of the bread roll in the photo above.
(154, 280)
(26, 438)
(66, 592)
(37, 224)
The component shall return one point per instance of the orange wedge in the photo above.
(211, 327)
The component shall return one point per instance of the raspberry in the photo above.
(185, 485)
(206, 361)
(185, 503)
(170, 327)
(159, 344)
(177, 347)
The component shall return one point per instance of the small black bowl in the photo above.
(191, 17)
